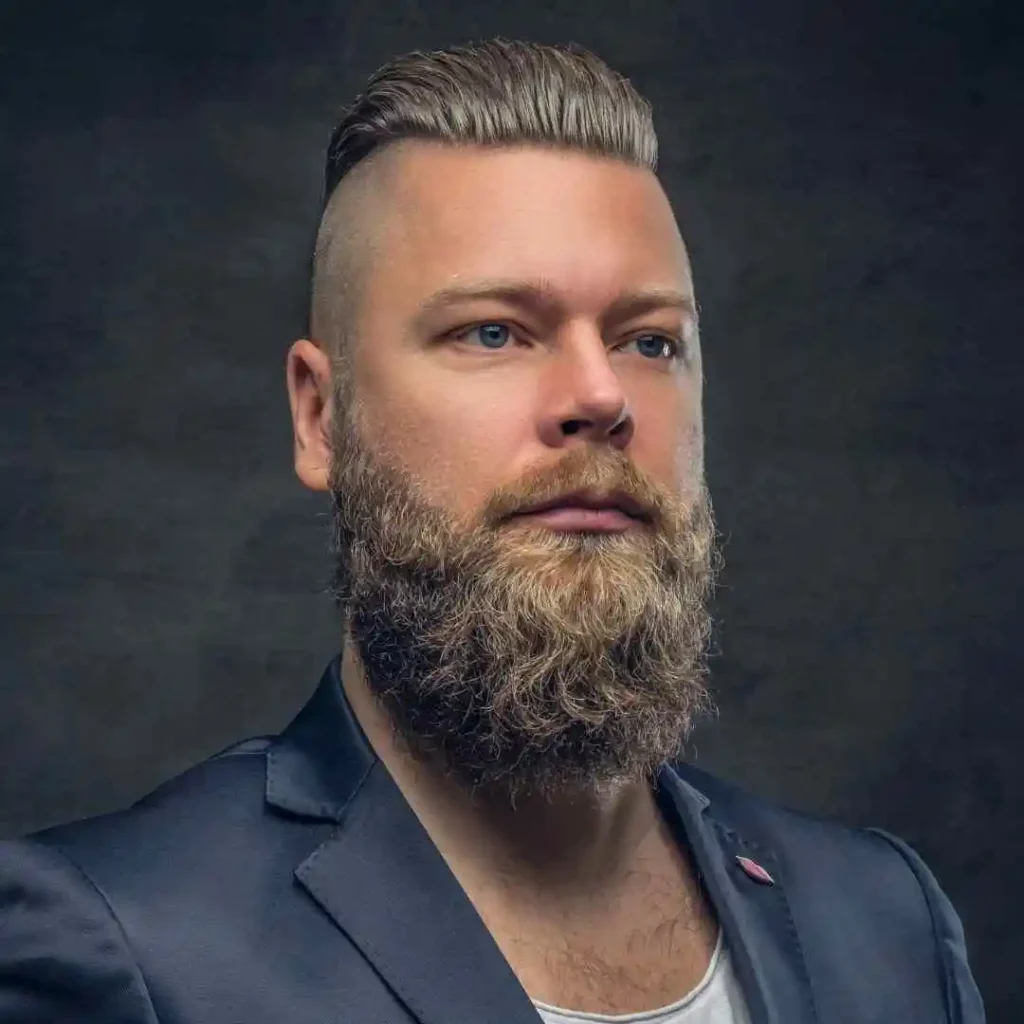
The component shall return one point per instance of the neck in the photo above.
(562, 884)
(571, 844)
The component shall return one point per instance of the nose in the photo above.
(602, 424)
(588, 402)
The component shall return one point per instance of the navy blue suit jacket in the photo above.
(286, 881)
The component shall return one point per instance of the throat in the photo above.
(624, 941)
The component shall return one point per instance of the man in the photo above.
(482, 815)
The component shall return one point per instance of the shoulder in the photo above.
(75, 900)
(794, 835)
(205, 836)
(201, 842)
(864, 884)
(221, 793)
(823, 857)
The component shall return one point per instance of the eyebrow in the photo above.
(541, 297)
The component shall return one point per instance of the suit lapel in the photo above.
(384, 883)
(380, 877)
(754, 916)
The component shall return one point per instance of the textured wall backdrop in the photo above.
(848, 178)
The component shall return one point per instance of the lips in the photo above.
(617, 502)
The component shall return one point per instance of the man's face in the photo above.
(521, 655)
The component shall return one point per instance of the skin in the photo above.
(476, 432)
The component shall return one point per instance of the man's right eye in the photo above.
(491, 335)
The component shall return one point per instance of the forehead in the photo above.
(591, 226)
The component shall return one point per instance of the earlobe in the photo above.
(309, 378)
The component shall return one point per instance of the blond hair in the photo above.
(493, 93)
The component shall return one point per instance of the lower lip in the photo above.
(600, 520)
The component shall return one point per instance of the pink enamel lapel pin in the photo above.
(755, 871)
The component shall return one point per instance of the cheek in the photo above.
(458, 446)
(668, 421)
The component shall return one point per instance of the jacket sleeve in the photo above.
(63, 955)
(963, 1000)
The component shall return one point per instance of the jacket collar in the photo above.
(321, 760)
(384, 883)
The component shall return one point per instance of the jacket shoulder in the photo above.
(208, 812)
(777, 826)
(869, 884)
(76, 899)
(866, 876)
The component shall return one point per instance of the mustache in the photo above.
(581, 479)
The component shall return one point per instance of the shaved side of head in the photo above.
(346, 245)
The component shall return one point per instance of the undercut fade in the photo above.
(493, 93)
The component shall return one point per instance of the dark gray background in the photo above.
(848, 179)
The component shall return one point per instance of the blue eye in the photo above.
(656, 345)
(491, 334)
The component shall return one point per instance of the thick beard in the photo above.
(533, 664)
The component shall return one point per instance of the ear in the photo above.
(309, 394)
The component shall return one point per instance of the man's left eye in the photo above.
(656, 345)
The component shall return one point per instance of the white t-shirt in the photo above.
(717, 999)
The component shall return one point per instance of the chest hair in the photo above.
(648, 949)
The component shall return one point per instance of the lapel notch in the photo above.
(383, 882)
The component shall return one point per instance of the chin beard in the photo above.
(534, 662)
